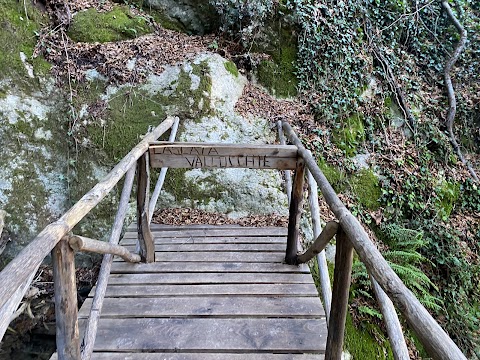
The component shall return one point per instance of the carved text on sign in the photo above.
(247, 161)
(187, 151)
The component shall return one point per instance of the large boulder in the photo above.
(196, 17)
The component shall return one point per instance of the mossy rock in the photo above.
(335, 177)
(367, 189)
(115, 25)
(362, 344)
(349, 134)
(231, 68)
(20, 25)
(279, 40)
(130, 114)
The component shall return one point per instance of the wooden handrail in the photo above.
(435, 340)
(105, 268)
(81, 243)
(27, 261)
(161, 176)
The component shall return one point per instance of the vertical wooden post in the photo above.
(146, 245)
(66, 308)
(296, 204)
(341, 286)
(394, 329)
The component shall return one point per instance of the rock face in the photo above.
(197, 17)
(43, 174)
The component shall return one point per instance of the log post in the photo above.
(66, 308)
(394, 329)
(341, 286)
(146, 244)
(295, 213)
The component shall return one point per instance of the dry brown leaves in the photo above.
(188, 216)
(121, 62)
(148, 54)
(256, 102)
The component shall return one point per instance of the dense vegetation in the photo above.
(374, 74)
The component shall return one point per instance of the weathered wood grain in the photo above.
(341, 290)
(219, 231)
(205, 267)
(288, 175)
(81, 243)
(394, 329)
(201, 306)
(67, 334)
(129, 240)
(158, 334)
(218, 256)
(102, 281)
(201, 155)
(202, 356)
(278, 247)
(193, 290)
(320, 242)
(209, 278)
(161, 176)
(296, 205)
(145, 238)
(435, 340)
(27, 261)
(324, 277)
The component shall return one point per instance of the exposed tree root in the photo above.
(450, 91)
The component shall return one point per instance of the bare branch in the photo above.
(450, 91)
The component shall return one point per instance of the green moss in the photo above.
(231, 68)
(115, 25)
(335, 177)
(129, 115)
(18, 35)
(366, 186)
(197, 97)
(447, 195)
(362, 345)
(349, 134)
(167, 22)
(278, 75)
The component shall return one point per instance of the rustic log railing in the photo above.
(18, 274)
(350, 236)
(389, 289)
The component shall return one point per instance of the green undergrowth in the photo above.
(278, 74)
(365, 186)
(115, 25)
(349, 133)
(18, 34)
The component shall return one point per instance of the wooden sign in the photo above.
(202, 155)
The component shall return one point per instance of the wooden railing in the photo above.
(16, 277)
(350, 235)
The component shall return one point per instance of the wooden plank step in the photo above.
(211, 306)
(200, 356)
(217, 247)
(219, 232)
(166, 227)
(205, 267)
(131, 239)
(209, 278)
(288, 290)
(212, 334)
(218, 256)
